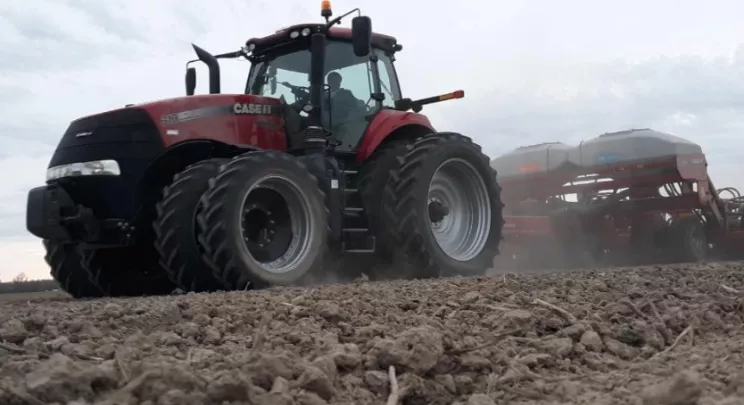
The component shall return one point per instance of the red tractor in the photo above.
(320, 171)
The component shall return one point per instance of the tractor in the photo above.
(318, 172)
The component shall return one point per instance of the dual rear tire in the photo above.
(442, 208)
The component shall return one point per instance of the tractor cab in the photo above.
(349, 98)
(328, 78)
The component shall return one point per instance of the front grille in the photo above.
(128, 136)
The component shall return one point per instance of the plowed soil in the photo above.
(668, 335)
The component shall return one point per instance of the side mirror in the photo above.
(190, 81)
(361, 35)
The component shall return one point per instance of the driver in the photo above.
(341, 105)
(339, 96)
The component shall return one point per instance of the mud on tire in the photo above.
(126, 271)
(264, 222)
(444, 170)
(176, 228)
(66, 269)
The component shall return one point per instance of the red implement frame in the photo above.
(601, 205)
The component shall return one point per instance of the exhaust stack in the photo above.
(214, 68)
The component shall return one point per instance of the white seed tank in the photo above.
(631, 146)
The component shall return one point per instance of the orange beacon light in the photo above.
(325, 8)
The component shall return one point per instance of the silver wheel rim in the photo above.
(463, 232)
(299, 222)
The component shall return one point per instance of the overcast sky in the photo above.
(533, 71)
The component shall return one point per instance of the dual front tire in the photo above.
(255, 221)
(250, 222)
(108, 272)
(264, 222)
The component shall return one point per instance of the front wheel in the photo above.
(176, 229)
(66, 269)
(264, 222)
(131, 271)
(445, 208)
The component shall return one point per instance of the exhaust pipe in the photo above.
(214, 68)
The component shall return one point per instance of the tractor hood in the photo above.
(173, 111)
(226, 118)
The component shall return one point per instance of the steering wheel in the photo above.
(300, 92)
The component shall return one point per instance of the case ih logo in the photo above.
(252, 109)
(235, 109)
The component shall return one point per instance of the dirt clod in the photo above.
(13, 331)
(683, 389)
(662, 335)
(591, 340)
(620, 349)
(480, 399)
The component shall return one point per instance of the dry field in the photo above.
(32, 296)
(657, 335)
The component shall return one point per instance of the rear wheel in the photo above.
(444, 206)
(126, 271)
(264, 222)
(64, 261)
(176, 228)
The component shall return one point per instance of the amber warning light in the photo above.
(453, 95)
(325, 8)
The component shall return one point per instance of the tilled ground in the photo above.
(657, 335)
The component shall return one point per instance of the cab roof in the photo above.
(281, 37)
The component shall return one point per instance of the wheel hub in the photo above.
(459, 209)
(259, 227)
(437, 211)
(276, 224)
(267, 232)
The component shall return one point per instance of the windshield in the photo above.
(293, 69)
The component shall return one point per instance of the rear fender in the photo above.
(392, 124)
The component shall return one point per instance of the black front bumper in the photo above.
(51, 213)
(97, 210)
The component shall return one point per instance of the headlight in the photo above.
(93, 168)
(305, 32)
(294, 34)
